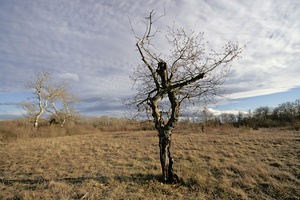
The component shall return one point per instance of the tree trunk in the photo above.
(166, 159)
(63, 121)
(36, 120)
(165, 130)
(41, 107)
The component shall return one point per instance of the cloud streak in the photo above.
(91, 46)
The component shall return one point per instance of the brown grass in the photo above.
(223, 163)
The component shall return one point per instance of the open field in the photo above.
(218, 164)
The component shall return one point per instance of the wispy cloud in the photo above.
(90, 43)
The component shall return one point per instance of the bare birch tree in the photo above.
(50, 96)
(165, 82)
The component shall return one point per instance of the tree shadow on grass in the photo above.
(33, 184)
(136, 178)
(139, 178)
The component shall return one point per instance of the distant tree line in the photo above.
(285, 114)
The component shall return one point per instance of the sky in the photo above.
(90, 45)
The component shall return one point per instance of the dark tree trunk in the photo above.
(165, 129)
(166, 159)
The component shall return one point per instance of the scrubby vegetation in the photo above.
(12, 130)
(284, 115)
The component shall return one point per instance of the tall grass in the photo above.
(220, 163)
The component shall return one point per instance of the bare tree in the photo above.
(206, 115)
(62, 107)
(262, 113)
(240, 116)
(165, 82)
(228, 118)
(47, 95)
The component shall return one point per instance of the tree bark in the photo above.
(36, 121)
(166, 159)
(41, 110)
(165, 130)
(164, 134)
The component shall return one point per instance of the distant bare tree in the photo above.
(262, 113)
(206, 115)
(62, 107)
(164, 82)
(297, 108)
(287, 111)
(50, 96)
(240, 116)
(228, 118)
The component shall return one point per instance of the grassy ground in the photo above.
(218, 164)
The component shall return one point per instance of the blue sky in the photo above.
(89, 44)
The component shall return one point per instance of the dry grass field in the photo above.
(229, 163)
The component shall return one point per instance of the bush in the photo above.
(11, 130)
